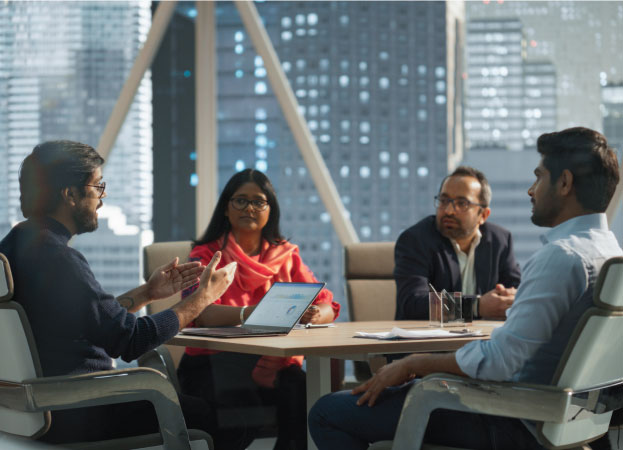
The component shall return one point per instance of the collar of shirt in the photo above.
(575, 225)
(473, 245)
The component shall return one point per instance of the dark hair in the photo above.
(466, 171)
(50, 167)
(586, 154)
(219, 223)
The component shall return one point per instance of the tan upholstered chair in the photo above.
(370, 288)
(166, 357)
(26, 397)
(154, 256)
(575, 409)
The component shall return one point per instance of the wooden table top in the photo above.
(338, 341)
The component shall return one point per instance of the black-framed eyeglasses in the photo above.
(100, 188)
(241, 203)
(459, 204)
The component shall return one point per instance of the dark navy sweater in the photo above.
(77, 327)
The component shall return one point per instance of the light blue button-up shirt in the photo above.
(556, 285)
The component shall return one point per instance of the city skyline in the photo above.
(374, 81)
(367, 99)
(62, 67)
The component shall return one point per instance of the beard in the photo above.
(85, 219)
(460, 231)
(544, 214)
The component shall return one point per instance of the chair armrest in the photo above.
(444, 391)
(160, 360)
(103, 388)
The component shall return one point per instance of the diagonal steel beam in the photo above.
(206, 124)
(289, 106)
(159, 24)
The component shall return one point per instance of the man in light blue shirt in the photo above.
(575, 180)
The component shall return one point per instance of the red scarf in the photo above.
(252, 274)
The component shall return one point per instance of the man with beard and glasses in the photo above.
(78, 328)
(575, 181)
(457, 250)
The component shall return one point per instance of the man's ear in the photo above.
(69, 195)
(565, 182)
(484, 214)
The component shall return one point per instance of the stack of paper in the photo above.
(434, 333)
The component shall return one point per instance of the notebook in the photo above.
(276, 314)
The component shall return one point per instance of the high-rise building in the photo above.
(612, 113)
(379, 85)
(582, 39)
(62, 67)
(509, 101)
(539, 101)
(494, 88)
(612, 110)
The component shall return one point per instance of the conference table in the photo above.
(319, 345)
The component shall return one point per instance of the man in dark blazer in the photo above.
(457, 250)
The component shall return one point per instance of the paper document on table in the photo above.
(400, 333)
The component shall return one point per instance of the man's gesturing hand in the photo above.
(172, 278)
(213, 282)
(212, 285)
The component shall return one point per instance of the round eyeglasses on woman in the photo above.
(99, 187)
(241, 203)
(458, 204)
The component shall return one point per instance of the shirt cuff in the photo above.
(167, 324)
(469, 358)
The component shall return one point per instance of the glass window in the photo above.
(260, 88)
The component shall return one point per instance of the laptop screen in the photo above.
(284, 304)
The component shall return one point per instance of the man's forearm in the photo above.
(189, 308)
(424, 364)
(134, 299)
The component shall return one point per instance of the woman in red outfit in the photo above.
(245, 228)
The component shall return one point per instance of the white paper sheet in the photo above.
(433, 333)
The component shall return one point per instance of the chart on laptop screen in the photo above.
(283, 304)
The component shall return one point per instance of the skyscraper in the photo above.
(379, 87)
(494, 88)
(509, 101)
(63, 65)
(583, 41)
(612, 110)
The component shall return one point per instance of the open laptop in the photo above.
(277, 313)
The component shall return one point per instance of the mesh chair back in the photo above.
(593, 356)
(20, 362)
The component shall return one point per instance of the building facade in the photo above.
(61, 70)
(380, 87)
(509, 100)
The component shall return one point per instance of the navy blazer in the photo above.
(423, 256)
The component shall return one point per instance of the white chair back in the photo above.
(593, 356)
(20, 361)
